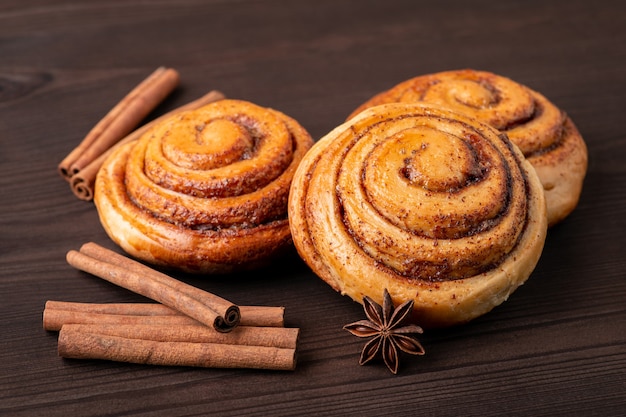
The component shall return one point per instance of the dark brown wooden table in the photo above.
(556, 347)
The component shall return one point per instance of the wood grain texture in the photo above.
(557, 347)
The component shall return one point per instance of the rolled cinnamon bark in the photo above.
(120, 120)
(280, 337)
(55, 319)
(58, 313)
(80, 343)
(201, 305)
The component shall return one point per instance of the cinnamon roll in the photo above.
(204, 190)
(546, 136)
(430, 204)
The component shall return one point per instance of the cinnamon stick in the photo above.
(203, 306)
(280, 337)
(54, 320)
(86, 344)
(120, 120)
(59, 313)
(82, 183)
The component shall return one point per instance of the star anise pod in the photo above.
(384, 324)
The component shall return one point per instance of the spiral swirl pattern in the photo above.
(205, 190)
(432, 205)
(546, 135)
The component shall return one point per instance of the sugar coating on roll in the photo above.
(546, 135)
(427, 203)
(205, 190)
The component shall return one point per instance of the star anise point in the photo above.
(384, 325)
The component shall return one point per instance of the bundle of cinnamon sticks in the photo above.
(186, 327)
(119, 126)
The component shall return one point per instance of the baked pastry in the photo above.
(205, 190)
(547, 137)
(432, 205)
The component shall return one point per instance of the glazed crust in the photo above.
(205, 191)
(430, 204)
(546, 136)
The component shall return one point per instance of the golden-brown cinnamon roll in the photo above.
(432, 205)
(546, 135)
(205, 190)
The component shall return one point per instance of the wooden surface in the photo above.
(556, 347)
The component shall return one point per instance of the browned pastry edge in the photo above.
(157, 238)
(318, 225)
